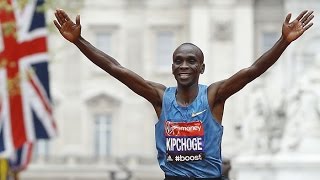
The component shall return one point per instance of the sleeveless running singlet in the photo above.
(188, 139)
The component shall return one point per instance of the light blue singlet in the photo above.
(188, 139)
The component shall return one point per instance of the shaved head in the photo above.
(197, 50)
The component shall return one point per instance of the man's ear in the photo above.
(203, 67)
(171, 68)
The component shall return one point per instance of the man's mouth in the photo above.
(184, 75)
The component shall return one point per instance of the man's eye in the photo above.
(192, 61)
(177, 61)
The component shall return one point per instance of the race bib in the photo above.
(184, 141)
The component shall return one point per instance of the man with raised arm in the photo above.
(189, 131)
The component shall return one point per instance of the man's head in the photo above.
(187, 64)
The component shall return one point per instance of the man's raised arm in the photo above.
(290, 32)
(72, 32)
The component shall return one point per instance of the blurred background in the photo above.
(104, 131)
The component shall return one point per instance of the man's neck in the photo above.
(186, 95)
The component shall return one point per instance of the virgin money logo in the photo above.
(183, 128)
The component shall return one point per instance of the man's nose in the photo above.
(184, 64)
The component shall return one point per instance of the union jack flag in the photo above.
(25, 102)
(20, 160)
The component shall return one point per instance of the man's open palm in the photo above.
(68, 29)
(293, 30)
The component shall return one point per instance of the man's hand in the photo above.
(293, 30)
(68, 29)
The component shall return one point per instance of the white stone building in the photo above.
(107, 132)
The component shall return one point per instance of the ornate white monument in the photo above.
(286, 142)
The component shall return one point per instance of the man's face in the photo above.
(187, 64)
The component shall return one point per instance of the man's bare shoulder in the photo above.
(213, 91)
(215, 86)
(158, 86)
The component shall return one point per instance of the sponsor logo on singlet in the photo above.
(184, 141)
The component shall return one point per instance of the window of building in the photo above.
(103, 41)
(268, 40)
(102, 135)
(165, 43)
(307, 59)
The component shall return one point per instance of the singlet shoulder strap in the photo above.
(168, 97)
(203, 89)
